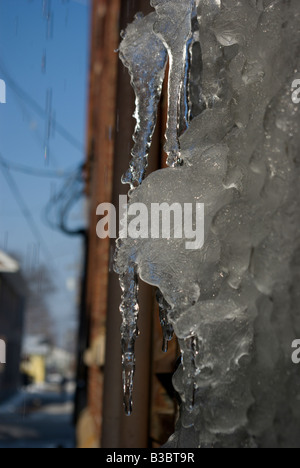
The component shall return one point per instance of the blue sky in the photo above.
(43, 56)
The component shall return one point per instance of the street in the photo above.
(37, 418)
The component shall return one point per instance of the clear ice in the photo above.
(143, 53)
(174, 27)
(167, 327)
(234, 304)
(129, 309)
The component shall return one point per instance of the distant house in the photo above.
(40, 360)
(12, 307)
(35, 351)
(60, 361)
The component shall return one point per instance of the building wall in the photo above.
(99, 170)
(109, 142)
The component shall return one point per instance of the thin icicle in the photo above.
(195, 98)
(167, 328)
(190, 350)
(145, 56)
(129, 309)
(174, 28)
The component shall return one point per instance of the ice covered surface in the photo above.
(234, 305)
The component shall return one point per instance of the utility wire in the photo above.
(40, 111)
(30, 220)
(61, 204)
(25, 210)
(33, 171)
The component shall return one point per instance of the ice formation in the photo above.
(234, 304)
(143, 53)
(174, 27)
(129, 309)
(167, 327)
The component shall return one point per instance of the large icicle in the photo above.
(145, 56)
(144, 50)
(174, 27)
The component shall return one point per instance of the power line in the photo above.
(62, 203)
(30, 221)
(33, 171)
(25, 211)
(40, 111)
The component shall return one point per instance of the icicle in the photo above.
(190, 350)
(174, 28)
(167, 328)
(144, 50)
(144, 54)
(195, 98)
(129, 309)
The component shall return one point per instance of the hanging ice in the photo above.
(234, 305)
(174, 27)
(167, 327)
(143, 53)
(144, 49)
(146, 44)
(129, 310)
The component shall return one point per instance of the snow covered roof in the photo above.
(8, 264)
